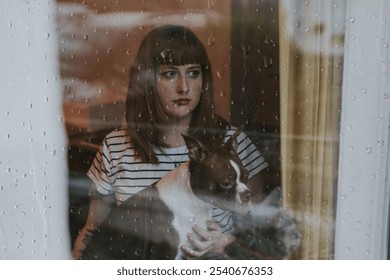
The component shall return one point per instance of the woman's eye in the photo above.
(193, 73)
(168, 74)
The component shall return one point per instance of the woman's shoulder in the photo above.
(118, 132)
(117, 136)
(231, 130)
(243, 139)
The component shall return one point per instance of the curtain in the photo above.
(311, 56)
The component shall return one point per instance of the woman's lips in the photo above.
(182, 101)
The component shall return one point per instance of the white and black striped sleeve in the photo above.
(249, 154)
(100, 170)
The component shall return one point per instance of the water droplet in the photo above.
(211, 4)
(211, 40)
(369, 150)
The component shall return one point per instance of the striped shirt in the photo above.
(116, 170)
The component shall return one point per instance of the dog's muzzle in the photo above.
(244, 196)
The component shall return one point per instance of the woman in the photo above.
(170, 94)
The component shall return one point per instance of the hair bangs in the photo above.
(178, 47)
(176, 55)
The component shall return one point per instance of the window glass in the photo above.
(277, 70)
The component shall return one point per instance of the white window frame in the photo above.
(362, 219)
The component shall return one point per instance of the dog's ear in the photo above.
(196, 150)
(231, 144)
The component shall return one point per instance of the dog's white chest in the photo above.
(187, 209)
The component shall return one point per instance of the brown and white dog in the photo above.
(154, 223)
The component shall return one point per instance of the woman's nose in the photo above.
(182, 85)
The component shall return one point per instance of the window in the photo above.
(307, 79)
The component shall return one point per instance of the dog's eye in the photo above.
(226, 184)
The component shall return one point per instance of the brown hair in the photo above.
(168, 45)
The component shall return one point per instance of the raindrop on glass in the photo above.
(369, 150)
(211, 40)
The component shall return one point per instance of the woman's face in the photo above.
(179, 89)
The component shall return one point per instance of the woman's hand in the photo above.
(203, 241)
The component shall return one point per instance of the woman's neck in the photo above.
(172, 136)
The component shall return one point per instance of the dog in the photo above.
(154, 223)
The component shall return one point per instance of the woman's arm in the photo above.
(99, 208)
